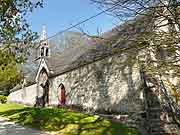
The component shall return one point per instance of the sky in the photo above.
(58, 15)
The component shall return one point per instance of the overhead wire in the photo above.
(81, 22)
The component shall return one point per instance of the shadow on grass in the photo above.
(66, 122)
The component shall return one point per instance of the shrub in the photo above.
(3, 99)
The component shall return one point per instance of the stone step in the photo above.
(154, 121)
(157, 124)
(157, 130)
(154, 103)
(154, 115)
(154, 112)
(154, 109)
(158, 133)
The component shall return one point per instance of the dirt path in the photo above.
(10, 128)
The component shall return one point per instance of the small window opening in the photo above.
(47, 51)
(42, 51)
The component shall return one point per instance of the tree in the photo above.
(14, 29)
(15, 38)
(158, 41)
(9, 72)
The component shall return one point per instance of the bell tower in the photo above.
(44, 50)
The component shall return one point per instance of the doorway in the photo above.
(61, 95)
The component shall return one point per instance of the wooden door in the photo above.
(62, 95)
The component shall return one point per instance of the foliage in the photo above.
(9, 72)
(15, 33)
(63, 121)
(155, 24)
(174, 91)
(16, 38)
(3, 99)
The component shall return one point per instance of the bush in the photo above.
(3, 99)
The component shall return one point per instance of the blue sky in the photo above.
(60, 14)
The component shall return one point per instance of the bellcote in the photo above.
(44, 50)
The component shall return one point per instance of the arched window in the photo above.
(42, 51)
(61, 94)
(47, 52)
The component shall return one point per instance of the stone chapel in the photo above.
(97, 79)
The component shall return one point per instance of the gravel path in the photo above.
(10, 128)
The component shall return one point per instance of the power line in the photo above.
(81, 22)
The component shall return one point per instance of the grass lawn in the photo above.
(63, 121)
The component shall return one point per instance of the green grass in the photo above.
(63, 121)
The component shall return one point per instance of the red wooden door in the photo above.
(62, 95)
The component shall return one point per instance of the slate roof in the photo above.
(73, 59)
(59, 63)
(121, 36)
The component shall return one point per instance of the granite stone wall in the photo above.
(112, 84)
(26, 95)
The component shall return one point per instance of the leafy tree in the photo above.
(15, 38)
(15, 33)
(157, 40)
(9, 72)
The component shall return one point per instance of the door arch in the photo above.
(61, 94)
(42, 97)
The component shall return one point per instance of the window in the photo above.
(42, 51)
(47, 52)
